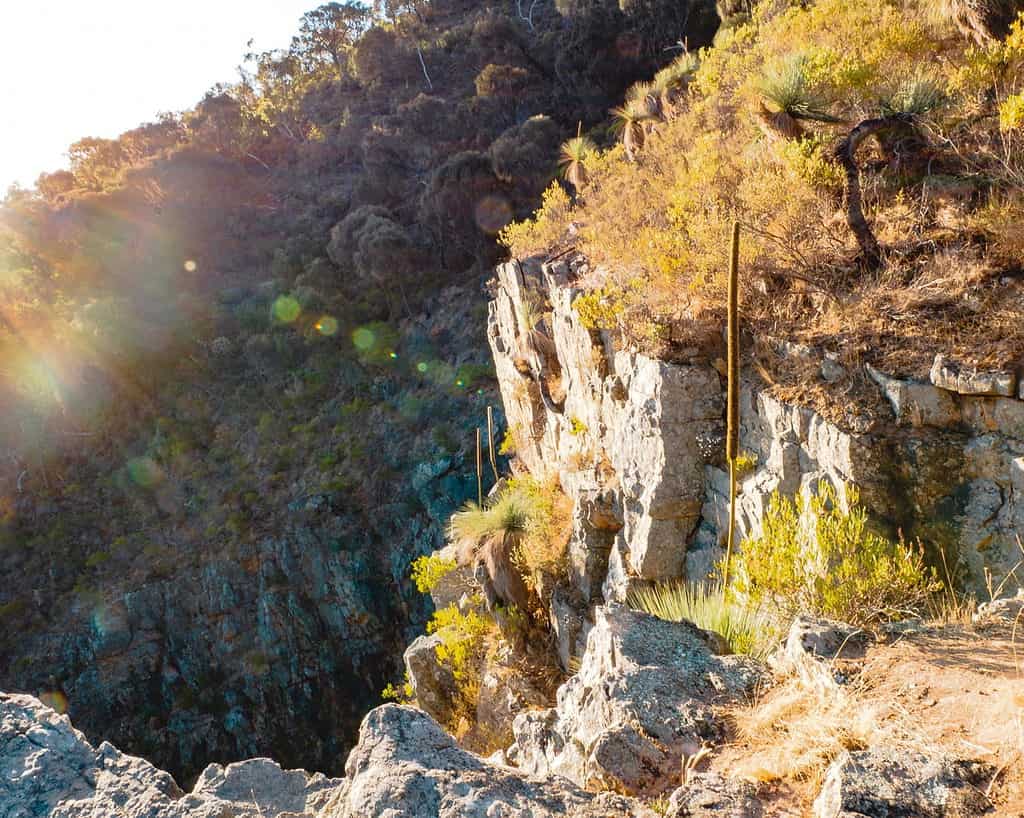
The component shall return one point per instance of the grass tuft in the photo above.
(745, 630)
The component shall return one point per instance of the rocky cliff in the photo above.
(191, 641)
(636, 443)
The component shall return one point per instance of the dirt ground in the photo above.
(953, 688)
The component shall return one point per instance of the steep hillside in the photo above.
(242, 357)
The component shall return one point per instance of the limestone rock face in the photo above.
(640, 701)
(625, 435)
(947, 375)
(891, 783)
(406, 765)
(47, 768)
(637, 444)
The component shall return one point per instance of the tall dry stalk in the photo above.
(732, 412)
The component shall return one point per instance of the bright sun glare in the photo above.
(110, 65)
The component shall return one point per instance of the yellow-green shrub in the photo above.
(429, 570)
(466, 637)
(815, 556)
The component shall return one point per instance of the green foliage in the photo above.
(745, 463)
(539, 514)
(815, 556)
(509, 513)
(429, 570)
(508, 442)
(402, 694)
(465, 640)
(1011, 113)
(600, 309)
(786, 86)
(745, 630)
(918, 96)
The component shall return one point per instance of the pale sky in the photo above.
(74, 68)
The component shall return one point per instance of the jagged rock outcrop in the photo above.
(636, 444)
(406, 765)
(627, 437)
(900, 783)
(641, 701)
(49, 769)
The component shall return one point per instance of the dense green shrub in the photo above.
(818, 556)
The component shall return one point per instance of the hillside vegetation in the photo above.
(242, 347)
(874, 154)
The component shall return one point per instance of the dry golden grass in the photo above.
(948, 217)
(954, 690)
(795, 731)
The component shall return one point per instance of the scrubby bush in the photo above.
(429, 570)
(751, 132)
(745, 630)
(818, 556)
(466, 637)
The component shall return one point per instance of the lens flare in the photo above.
(327, 325)
(55, 700)
(145, 472)
(363, 338)
(392, 355)
(493, 213)
(421, 367)
(286, 309)
(190, 266)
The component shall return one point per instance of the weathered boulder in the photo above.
(811, 636)
(406, 765)
(432, 682)
(1006, 608)
(47, 768)
(893, 782)
(710, 795)
(917, 404)
(504, 694)
(641, 700)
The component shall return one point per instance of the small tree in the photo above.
(330, 30)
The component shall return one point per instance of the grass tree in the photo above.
(629, 124)
(787, 97)
(572, 161)
(672, 80)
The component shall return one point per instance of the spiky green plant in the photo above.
(745, 630)
(677, 74)
(786, 87)
(572, 161)
(507, 514)
(628, 121)
(917, 97)
(645, 99)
